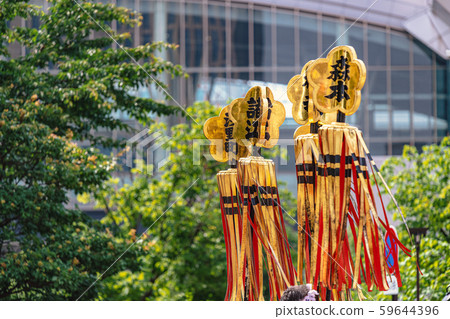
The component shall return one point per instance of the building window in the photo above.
(285, 40)
(216, 36)
(239, 37)
(193, 35)
(308, 38)
(262, 38)
(377, 47)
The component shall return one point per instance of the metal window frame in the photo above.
(187, 93)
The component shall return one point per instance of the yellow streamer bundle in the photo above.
(335, 196)
(263, 229)
(349, 199)
(306, 153)
(254, 231)
(231, 221)
(334, 188)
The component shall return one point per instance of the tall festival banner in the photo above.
(341, 218)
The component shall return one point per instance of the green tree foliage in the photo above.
(421, 181)
(66, 85)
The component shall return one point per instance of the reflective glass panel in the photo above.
(330, 33)
(239, 84)
(284, 77)
(358, 118)
(423, 117)
(214, 88)
(401, 118)
(377, 46)
(422, 55)
(423, 82)
(378, 148)
(285, 39)
(193, 35)
(399, 49)
(262, 37)
(174, 85)
(440, 62)
(379, 118)
(441, 82)
(173, 30)
(263, 76)
(240, 75)
(376, 84)
(378, 107)
(239, 37)
(193, 87)
(355, 38)
(308, 39)
(146, 29)
(443, 117)
(400, 84)
(216, 36)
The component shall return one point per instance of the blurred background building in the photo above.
(229, 46)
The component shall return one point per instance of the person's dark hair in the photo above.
(295, 293)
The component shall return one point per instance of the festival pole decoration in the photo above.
(306, 155)
(223, 148)
(334, 187)
(255, 237)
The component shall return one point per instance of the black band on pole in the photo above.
(340, 117)
(314, 128)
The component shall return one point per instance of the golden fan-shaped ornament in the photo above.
(257, 117)
(335, 188)
(337, 80)
(252, 217)
(298, 93)
(219, 130)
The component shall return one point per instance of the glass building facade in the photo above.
(227, 47)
